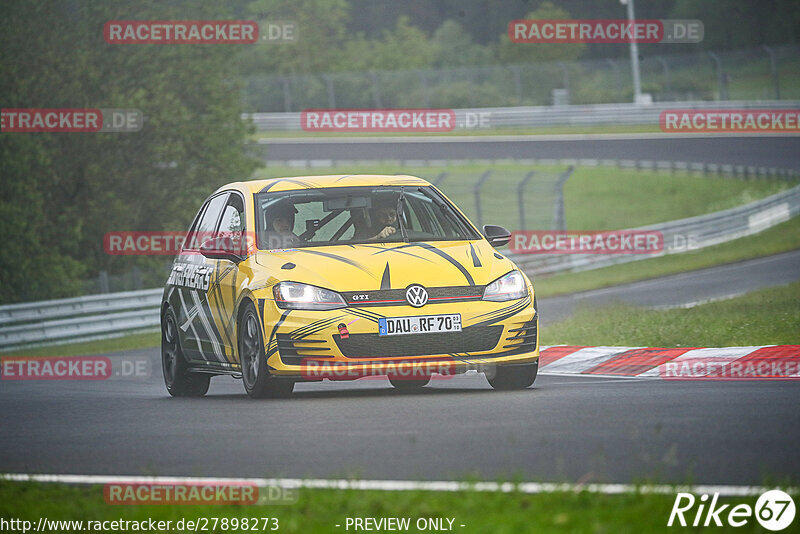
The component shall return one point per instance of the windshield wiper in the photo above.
(401, 200)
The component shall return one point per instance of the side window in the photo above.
(205, 227)
(232, 222)
(233, 216)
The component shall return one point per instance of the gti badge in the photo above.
(416, 296)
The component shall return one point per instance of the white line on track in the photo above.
(403, 485)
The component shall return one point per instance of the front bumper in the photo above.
(308, 345)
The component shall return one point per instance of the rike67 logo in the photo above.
(774, 510)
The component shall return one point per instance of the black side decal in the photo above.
(476, 262)
(449, 258)
(385, 280)
(337, 258)
(304, 184)
(381, 250)
(261, 309)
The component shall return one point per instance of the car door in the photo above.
(191, 277)
(225, 280)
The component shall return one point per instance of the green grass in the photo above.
(102, 346)
(764, 317)
(320, 510)
(780, 238)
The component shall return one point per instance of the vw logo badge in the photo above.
(416, 296)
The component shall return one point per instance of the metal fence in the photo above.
(545, 116)
(680, 236)
(764, 73)
(78, 319)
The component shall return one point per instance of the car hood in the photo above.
(388, 265)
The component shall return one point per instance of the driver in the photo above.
(280, 226)
(384, 221)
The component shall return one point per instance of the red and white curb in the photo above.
(772, 362)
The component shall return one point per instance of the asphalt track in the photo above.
(681, 290)
(768, 151)
(563, 429)
(590, 429)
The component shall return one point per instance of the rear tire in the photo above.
(514, 376)
(179, 381)
(409, 385)
(258, 382)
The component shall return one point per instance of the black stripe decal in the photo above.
(395, 249)
(337, 258)
(385, 280)
(306, 185)
(448, 257)
(476, 262)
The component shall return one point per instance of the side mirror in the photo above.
(219, 249)
(496, 235)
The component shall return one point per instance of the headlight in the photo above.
(508, 287)
(297, 296)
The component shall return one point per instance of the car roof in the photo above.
(329, 180)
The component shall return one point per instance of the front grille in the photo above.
(294, 351)
(397, 297)
(475, 339)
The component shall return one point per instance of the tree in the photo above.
(66, 190)
(454, 47)
(510, 52)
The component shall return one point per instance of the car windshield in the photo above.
(352, 215)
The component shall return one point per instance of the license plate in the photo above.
(420, 324)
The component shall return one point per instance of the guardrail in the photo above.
(692, 233)
(538, 116)
(78, 319)
(114, 314)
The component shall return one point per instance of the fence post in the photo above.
(376, 89)
(774, 68)
(565, 75)
(439, 179)
(287, 94)
(521, 199)
(477, 191)
(560, 216)
(667, 79)
(723, 90)
(424, 84)
(517, 82)
(331, 94)
(615, 68)
(103, 281)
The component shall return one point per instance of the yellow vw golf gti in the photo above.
(287, 280)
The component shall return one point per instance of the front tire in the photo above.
(179, 381)
(258, 382)
(514, 376)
